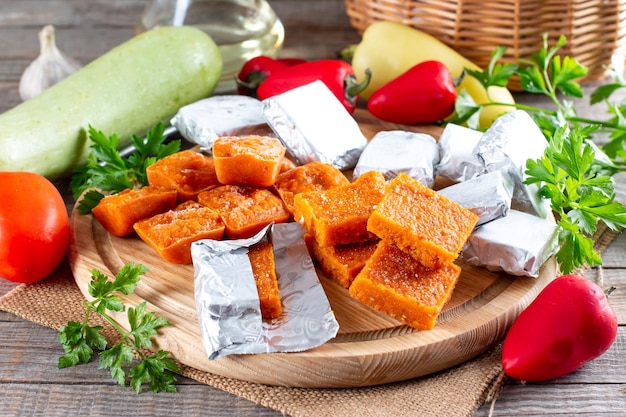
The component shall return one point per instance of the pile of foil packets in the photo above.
(515, 233)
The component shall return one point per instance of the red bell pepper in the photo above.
(336, 74)
(569, 323)
(256, 69)
(423, 94)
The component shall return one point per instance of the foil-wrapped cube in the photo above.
(458, 162)
(314, 126)
(205, 120)
(518, 244)
(395, 151)
(510, 141)
(488, 195)
(227, 301)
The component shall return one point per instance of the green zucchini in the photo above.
(126, 91)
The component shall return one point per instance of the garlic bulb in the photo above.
(49, 68)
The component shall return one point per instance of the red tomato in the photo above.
(34, 227)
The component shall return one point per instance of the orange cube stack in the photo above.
(229, 195)
(336, 223)
(339, 215)
(412, 275)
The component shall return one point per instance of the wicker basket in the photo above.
(595, 29)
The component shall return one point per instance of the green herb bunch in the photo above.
(79, 339)
(574, 173)
(106, 170)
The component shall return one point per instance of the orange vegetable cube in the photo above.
(340, 262)
(338, 216)
(119, 212)
(286, 164)
(261, 257)
(314, 176)
(187, 172)
(395, 283)
(171, 234)
(430, 227)
(251, 160)
(244, 210)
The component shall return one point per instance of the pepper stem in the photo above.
(353, 88)
(458, 80)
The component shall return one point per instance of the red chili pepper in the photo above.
(256, 69)
(336, 74)
(423, 94)
(569, 323)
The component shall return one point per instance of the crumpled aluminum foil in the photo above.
(395, 151)
(510, 141)
(518, 244)
(488, 195)
(458, 162)
(205, 120)
(227, 301)
(314, 126)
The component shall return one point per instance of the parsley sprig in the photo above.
(555, 76)
(79, 339)
(106, 170)
(581, 195)
(574, 173)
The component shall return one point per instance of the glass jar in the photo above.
(242, 29)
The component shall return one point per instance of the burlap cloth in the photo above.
(459, 391)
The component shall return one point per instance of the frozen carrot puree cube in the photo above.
(340, 262)
(338, 216)
(314, 176)
(244, 210)
(118, 212)
(171, 234)
(421, 221)
(188, 172)
(261, 257)
(248, 160)
(396, 284)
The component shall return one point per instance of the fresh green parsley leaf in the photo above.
(580, 195)
(155, 370)
(497, 74)
(79, 339)
(465, 110)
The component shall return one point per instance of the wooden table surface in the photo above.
(31, 384)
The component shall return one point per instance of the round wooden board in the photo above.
(370, 348)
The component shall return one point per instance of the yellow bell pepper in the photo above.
(389, 49)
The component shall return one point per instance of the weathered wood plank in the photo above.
(558, 400)
(62, 400)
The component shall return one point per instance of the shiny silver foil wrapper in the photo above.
(518, 244)
(314, 126)
(205, 120)
(395, 151)
(510, 141)
(228, 305)
(488, 195)
(458, 162)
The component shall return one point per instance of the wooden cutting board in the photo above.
(370, 348)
